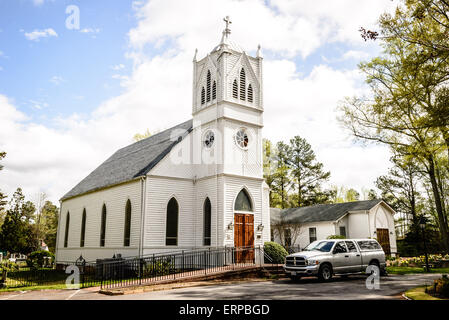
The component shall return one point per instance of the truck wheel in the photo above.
(325, 272)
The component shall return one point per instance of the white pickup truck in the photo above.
(325, 258)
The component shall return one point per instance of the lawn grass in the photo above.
(411, 270)
(420, 294)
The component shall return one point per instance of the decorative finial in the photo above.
(259, 51)
(228, 21)
(194, 57)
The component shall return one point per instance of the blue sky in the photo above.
(70, 98)
(68, 73)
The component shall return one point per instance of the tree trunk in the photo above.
(438, 204)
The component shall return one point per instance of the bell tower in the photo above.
(228, 95)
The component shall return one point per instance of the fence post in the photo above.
(182, 261)
(205, 270)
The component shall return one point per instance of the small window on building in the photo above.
(214, 91)
(242, 85)
(235, 89)
(83, 229)
(171, 235)
(243, 202)
(288, 237)
(203, 96)
(208, 86)
(343, 231)
(250, 93)
(103, 227)
(127, 235)
(67, 227)
(312, 235)
(207, 222)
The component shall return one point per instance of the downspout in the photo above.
(143, 189)
(58, 232)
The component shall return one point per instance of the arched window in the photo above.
(214, 91)
(83, 228)
(203, 96)
(250, 93)
(242, 84)
(235, 89)
(103, 226)
(208, 86)
(67, 226)
(127, 235)
(207, 211)
(243, 202)
(171, 235)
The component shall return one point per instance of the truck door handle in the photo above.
(358, 255)
(346, 256)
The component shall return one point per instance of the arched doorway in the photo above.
(244, 227)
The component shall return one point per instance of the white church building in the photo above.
(198, 184)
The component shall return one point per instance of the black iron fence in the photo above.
(116, 273)
(133, 271)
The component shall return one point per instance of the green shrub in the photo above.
(275, 251)
(336, 236)
(441, 286)
(38, 259)
(158, 268)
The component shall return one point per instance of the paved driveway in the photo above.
(351, 288)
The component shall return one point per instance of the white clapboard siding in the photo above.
(115, 199)
(159, 192)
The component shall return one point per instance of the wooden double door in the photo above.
(383, 237)
(244, 237)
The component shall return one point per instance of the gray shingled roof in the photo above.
(132, 161)
(320, 212)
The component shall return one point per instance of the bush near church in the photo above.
(40, 259)
(275, 251)
(336, 236)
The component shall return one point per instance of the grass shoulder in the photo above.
(411, 270)
(420, 294)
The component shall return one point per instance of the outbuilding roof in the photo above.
(320, 212)
(133, 161)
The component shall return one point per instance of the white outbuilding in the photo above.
(297, 227)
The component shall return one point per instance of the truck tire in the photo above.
(325, 272)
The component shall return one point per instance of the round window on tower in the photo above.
(209, 139)
(242, 138)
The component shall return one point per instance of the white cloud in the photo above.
(118, 67)
(57, 80)
(36, 35)
(90, 30)
(1, 68)
(157, 92)
(38, 2)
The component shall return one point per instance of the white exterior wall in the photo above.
(115, 199)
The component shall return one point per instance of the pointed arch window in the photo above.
(207, 221)
(243, 202)
(127, 235)
(171, 235)
(103, 226)
(208, 80)
(214, 91)
(250, 93)
(203, 96)
(235, 89)
(242, 85)
(67, 227)
(83, 229)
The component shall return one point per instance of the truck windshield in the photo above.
(323, 246)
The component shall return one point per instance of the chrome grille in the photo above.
(295, 261)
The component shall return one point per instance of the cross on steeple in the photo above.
(228, 22)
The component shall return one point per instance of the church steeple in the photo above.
(227, 74)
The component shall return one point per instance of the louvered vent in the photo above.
(235, 90)
(250, 93)
(242, 85)
(208, 86)
(203, 96)
(214, 91)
